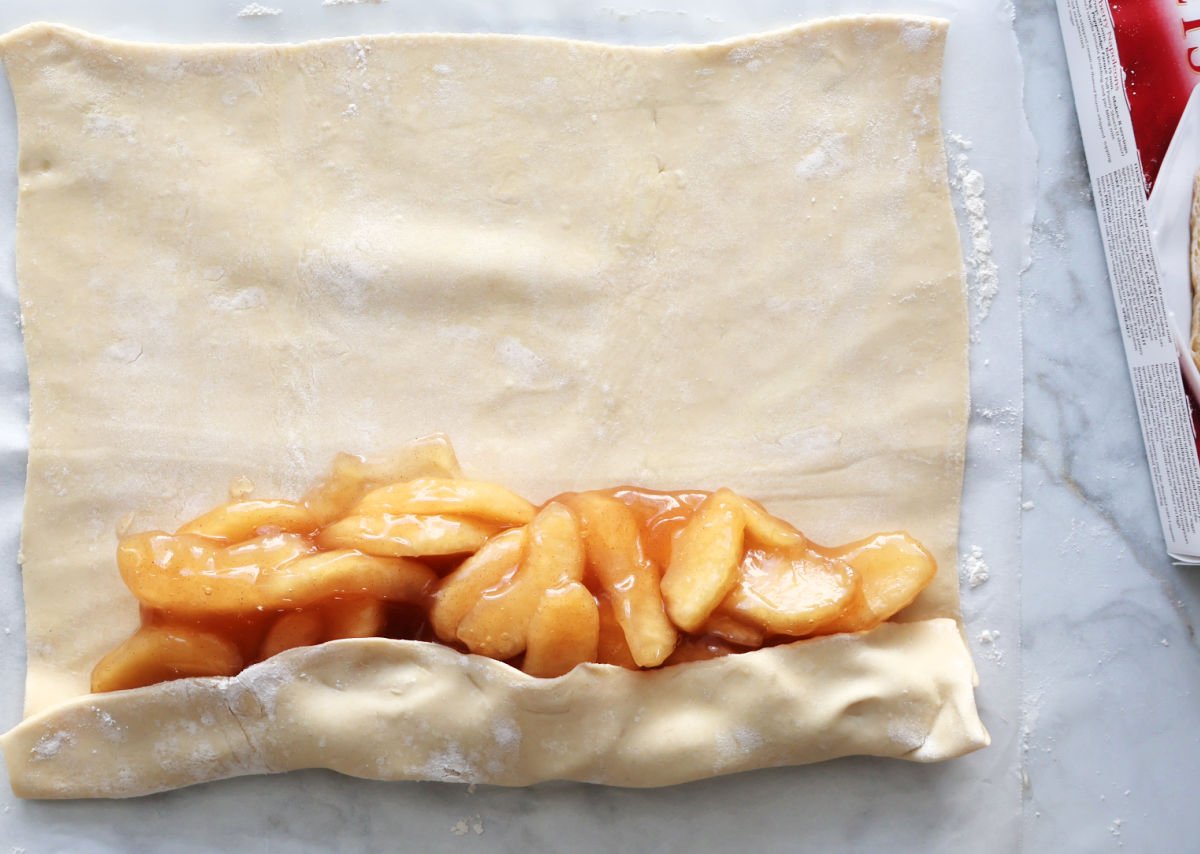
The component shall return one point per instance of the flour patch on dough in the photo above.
(242, 299)
(460, 333)
(359, 53)
(167, 67)
(506, 733)
(96, 123)
(340, 276)
(126, 351)
(449, 765)
(51, 743)
(916, 36)
(256, 690)
(827, 159)
(907, 729)
(737, 743)
(808, 448)
(526, 369)
(741, 55)
(58, 478)
(109, 729)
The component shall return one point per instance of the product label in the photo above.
(1131, 74)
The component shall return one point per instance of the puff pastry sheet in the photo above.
(731, 264)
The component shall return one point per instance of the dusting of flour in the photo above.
(985, 276)
(916, 37)
(828, 159)
(737, 743)
(51, 743)
(239, 300)
(975, 570)
(257, 10)
(473, 824)
(989, 640)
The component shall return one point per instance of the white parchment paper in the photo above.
(971, 804)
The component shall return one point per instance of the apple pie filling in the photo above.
(630, 577)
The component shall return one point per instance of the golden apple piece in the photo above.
(345, 573)
(459, 591)
(564, 631)
(894, 569)
(856, 616)
(790, 593)
(241, 520)
(353, 618)
(352, 476)
(188, 574)
(613, 648)
(347, 483)
(407, 535)
(700, 649)
(291, 630)
(704, 560)
(433, 495)
(194, 574)
(733, 630)
(251, 558)
(498, 625)
(159, 653)
(767, 530)
(616, 558)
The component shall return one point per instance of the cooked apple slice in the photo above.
(498, 625)
(188, 574)
(352, 476)
(767, 530)
(616, 558)
(700, 649)
(459, 591)
(612, 648)
(704, 560)
(564, 631)
(345, 573)
(893, 568)
(433, 495)
(733, 630)
(291, 630)
(353, 618)
(159, 653)
(407, 535)
(241, 520)
(790, 593)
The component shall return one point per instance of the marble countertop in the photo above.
(1110, 664)
(1084, 636)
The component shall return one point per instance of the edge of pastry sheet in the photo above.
(903, 691)
(376, 709)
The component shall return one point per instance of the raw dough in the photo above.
(729, 264)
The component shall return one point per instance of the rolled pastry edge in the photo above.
(406, 710)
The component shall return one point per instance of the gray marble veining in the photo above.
(1110, 660)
